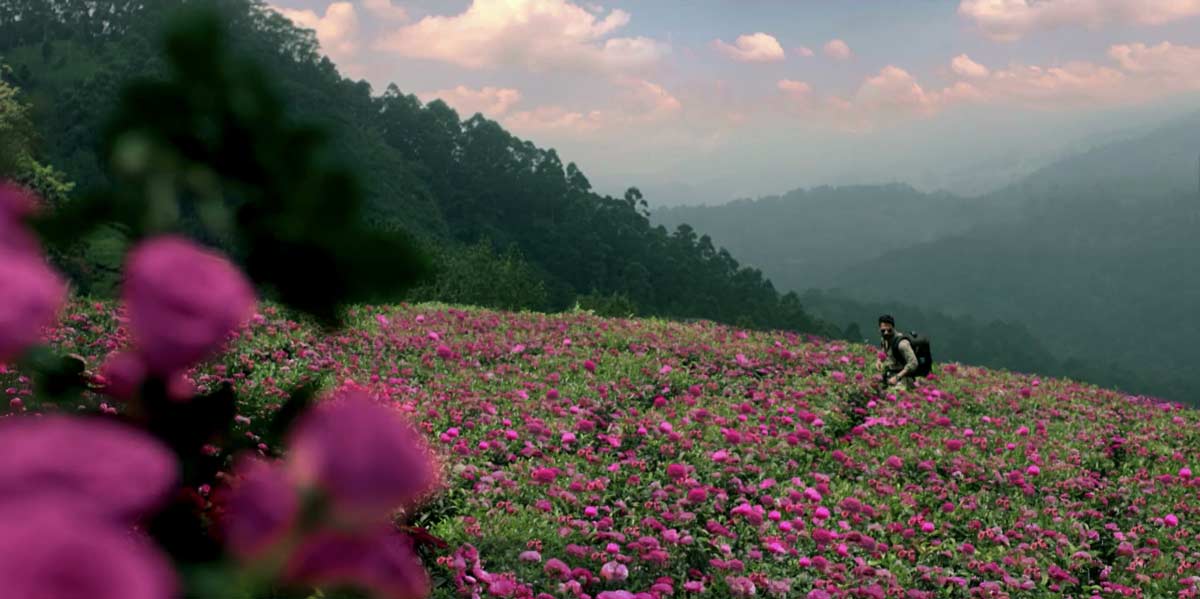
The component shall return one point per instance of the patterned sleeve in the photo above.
(910, 357)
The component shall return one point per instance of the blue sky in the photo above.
(704, 100)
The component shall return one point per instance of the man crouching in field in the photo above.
(900, 363)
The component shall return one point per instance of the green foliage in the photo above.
(19, 159)
(616, 305)
(210, 146)
(477, 275)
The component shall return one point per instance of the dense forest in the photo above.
(508, 222)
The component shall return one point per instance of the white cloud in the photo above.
(637, 103)
(336, 30)
(538, 35)
(804, 51)
(384, 9)
(493, 102)
(964, 66)
(796, 90)
(756, 47)
(1008, 20)
(894, 92)
(1138, 73)
(838, 50)
(1179, 64)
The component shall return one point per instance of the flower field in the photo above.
(589, 457)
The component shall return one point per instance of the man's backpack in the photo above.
(920, 345)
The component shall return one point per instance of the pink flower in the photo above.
(822, 513)
(530, 556)
(1171, 520)
(444, 352)
(183, 301)
(589, 366)
(697, 495)
(1185, 473)
(52, 551)
(33, 294)
(124, 373)
(104, 467)
(611, 571)
(1033, 470)
(555, 568)
(677, 471)
(361, 453)
(928, 526)
(261, 507)
(382, 562)
(545, 475)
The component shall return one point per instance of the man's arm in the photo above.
(910, 358)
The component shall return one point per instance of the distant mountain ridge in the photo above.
(1102, 243)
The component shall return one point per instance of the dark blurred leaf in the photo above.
(286, 415)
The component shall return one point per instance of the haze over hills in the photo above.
(1095, 253)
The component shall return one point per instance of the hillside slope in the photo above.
(646, 456)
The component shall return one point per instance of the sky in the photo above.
(703, 101)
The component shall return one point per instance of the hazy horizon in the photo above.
(717, 102)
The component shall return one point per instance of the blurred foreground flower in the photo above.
(52, 551)
(183, 301)
(110, 470)
(33, 296)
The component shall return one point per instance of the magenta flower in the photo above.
(121, 472)
(362, 454)
(556, 569)
(1171, 520)
(677, 471)
(123, 374)
(51, 551)
(545, 475)
(261, 508)
(183, 301)
(382, 562)
(33, 296)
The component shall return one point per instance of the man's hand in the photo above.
(893, 380)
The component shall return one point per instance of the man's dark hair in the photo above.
(888, 319)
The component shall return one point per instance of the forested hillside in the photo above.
(450, 182)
